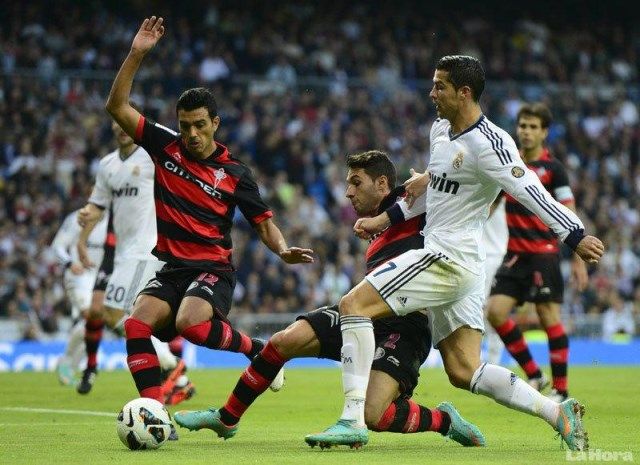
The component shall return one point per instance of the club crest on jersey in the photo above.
(517, 172)
(457, 161)
(135, 171)
(219, 176)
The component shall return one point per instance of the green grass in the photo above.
(272, 430)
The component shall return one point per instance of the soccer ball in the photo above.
(143, 424)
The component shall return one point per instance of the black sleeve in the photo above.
(254, 209)
(560, 177)
(154, 137)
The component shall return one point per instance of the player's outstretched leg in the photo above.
(569, 425)
(343, 433)
(460, 430)
(92, 338)
(210, 419)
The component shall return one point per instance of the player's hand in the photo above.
(89, 214)
(579, 275)
(294, 255)
(590, 249)
(83, 255)
(148, 35)
(364, 228)
(76, 268)
(415, 186)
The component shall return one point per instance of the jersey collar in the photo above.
(453, 136)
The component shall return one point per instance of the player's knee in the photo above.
(496, 316)
(184, 321)
(348, 305)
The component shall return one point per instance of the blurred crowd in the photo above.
(299, 86)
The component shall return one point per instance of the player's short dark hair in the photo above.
(464, 71)
(538, 110)
(375, 163)
(198, 97)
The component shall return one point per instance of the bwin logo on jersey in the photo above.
(442, 184)
(126, 191)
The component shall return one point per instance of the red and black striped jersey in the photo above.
(196, 199)
(396, 239)
(527, 233)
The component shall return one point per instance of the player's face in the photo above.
(196, 130)
(124, 140)
(444, 96)
(530, 132)
(364, 193)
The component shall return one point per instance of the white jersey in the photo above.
(127, 185)
(467, 172)
(496, 232)
(65, 242)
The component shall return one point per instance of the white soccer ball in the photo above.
(143, 423)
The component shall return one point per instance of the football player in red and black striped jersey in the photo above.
(198, 185)
(531, 268)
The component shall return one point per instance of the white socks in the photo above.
(506, 388)
(358, 347)
(75, 343)
(166, 358)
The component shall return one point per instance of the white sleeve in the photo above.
(502, 164)
(65, 238)
(101, 194)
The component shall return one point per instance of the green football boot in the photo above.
(343, 433)
(197, 419)
(569, 425)
(461, 431)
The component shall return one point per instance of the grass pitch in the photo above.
(44, 423)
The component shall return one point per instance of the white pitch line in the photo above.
(62, 411)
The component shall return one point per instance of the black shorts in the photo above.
(402, 343)
(530, 278)
(172, 284)
(105, 270)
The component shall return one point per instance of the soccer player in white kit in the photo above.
(471, 160)
(78, 285)
(124, 182)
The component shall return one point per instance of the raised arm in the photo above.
(118, 105)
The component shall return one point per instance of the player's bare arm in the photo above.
(579, 274)
(272, 237)
(364, 228)
(415, 186)
(118, 105)
(88, 217)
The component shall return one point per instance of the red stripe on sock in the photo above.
(271, 355)
(531, 368)
(93, 336)
(136, 329)
(560, 383)
(198, 333)
(234, 406)
(387, 418)
(517, 346)
(436, 420)
(92, 360)
(555, 331)
(413, 419)
(245, 344)
(225, 339)
(506, 327)
(139, 362)
(254, 380)
(93, 325)
(559, 355)
(153, 392)
(176, 345)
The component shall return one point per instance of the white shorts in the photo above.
(79, 289)
(127, 280)
(422, 278)
(491, 265)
